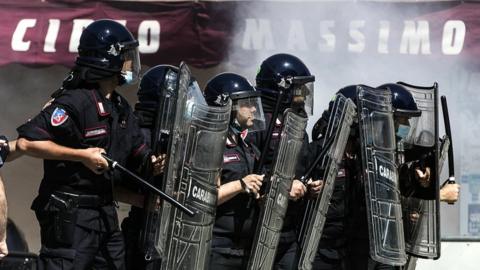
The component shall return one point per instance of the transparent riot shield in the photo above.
(194, 162)
(159, 142)
(338, 130)
(421, 209)
(380, 176)
(275, 201)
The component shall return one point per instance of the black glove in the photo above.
(3, 150)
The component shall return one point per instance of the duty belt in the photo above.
(81, 200)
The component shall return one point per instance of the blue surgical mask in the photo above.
(128, 77)
(403, 131)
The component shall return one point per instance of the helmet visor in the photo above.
(408, 138)
(131, 58)
(306, 91)
(249, 113)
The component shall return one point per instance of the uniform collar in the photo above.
(103, 104)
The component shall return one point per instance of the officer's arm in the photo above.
(14, 154)
(3, 220)
(49, 150)
(249, 183)
(229, 190)
(90, 157)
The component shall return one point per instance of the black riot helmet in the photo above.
(403, 102)
(349, 92)
(320, 126)
(245, 100)
(405, 111)
(108, 49)
(154, 82)
(158, 82)
(287, 74)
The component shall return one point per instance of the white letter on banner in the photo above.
(383, 34)
(328, 36)
(78, 26)
(453, 37)
(414, 38)
(17, 38)
(122, 22)
(52, 34)
(256, 35)
(296, 36)
(149, 30)
(357, 36)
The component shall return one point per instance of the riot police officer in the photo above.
(345, 237)
(154, 83)
(234, 223)
(86, 118)
(332, 249)
(286, 82)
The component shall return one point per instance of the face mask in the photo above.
(403, 131)
(128, 77)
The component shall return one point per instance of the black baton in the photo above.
(164, 196)
(451, 160)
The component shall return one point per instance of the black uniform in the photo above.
(332, 247)
(75, 208)
(134, 223)
(235, 223)
(358, 245)
(287, 251)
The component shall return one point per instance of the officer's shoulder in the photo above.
(72, 98)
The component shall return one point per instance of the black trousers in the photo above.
(329, 259)
(96, 241)
(224, 261)
(359, 258)
(287, 252)
(134, 253)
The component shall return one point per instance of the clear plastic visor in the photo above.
(249, 113)
(305, 91)
(412, 122)
(131, 58)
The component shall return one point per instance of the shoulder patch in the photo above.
(341, 173)
(59, 116)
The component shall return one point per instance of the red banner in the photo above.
(206, 33)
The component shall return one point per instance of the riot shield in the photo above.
(195, 158)
(338, 130)
(275, 201)
(421, 209)
(162, 128)
(380, 176)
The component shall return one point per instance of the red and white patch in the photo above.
(278, 122)
(228, 158)
(94, 132)
(230, 143)
(101, 109)
(59, 116)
